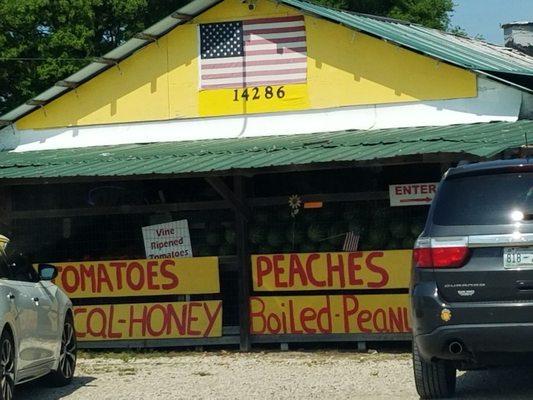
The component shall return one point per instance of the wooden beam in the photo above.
(244, 265)
(325, 197)
(227, 194)
(140, 209)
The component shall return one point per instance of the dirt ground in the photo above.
(265, 375)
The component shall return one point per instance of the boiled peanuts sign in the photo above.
(344, 313)
(329, 314)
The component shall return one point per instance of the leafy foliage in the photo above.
(43, 41)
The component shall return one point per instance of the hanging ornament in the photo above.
(295, 203)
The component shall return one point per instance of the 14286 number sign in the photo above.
(256, 93)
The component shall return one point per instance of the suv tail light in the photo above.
(440, 252)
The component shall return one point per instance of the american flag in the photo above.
(257, 52)
(351, 242)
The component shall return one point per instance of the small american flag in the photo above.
(257, 52)
(351, 242)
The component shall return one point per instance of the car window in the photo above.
(4, 270)
(19, 268)
(484, 199)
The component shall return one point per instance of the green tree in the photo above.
(44, 41)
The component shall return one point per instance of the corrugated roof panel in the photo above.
(124, 50)
(478, 140)
(85, 72)
(468, 53)
(50, 93)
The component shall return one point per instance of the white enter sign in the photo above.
(412, 194)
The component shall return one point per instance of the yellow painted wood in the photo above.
(345, 68)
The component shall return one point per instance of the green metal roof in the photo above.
(464, 52)
(477, 141)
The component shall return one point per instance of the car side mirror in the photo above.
(47, 272)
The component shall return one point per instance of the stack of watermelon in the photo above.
(274, 230)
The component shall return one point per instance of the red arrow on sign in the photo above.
(426, 199)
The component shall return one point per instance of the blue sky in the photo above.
(485, 16)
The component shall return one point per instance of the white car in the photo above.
(38, 337)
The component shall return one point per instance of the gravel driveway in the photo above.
(267, 375)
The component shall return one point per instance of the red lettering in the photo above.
(79, 311)
(325, 313)
(396, 320)
(263, 268)
(192, 319)
(150, 320)
(257, 304)
(65, 283)
(296, 268)
(278, 270)
(353, 267)
(362, 318)
(306, 315)
(119, 266)
(91, 316)
(309, 269)
(138, 320)
(181, 325)
(151, 274)
(103, 278)
(377, 269)
(292, 322)
(110, 333)
(129, 276)
(338, 268)
(174, 280)
(87, 272)
(379, 320)
(348, 311)
(211, 318)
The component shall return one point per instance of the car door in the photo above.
(39, 311)
(21, 314)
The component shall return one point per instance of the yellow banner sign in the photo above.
(195, 319)
(87, 279)
(332, 271)
(329, 314)
(253, 99)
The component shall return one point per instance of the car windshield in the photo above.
(485, 200)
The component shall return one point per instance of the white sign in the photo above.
(168, 240)
(412, 194)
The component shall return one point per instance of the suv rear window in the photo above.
(484, 199)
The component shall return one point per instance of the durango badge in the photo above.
(446, 315)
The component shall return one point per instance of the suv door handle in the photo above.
(524, 285)
(11, 296)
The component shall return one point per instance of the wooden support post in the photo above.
(6, 208)
(237, 200)
(244, 262)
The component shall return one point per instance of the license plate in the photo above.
(518, 257)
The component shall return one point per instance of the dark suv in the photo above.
(472, 281)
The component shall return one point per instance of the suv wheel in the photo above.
(67, 357)
(434, 379)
